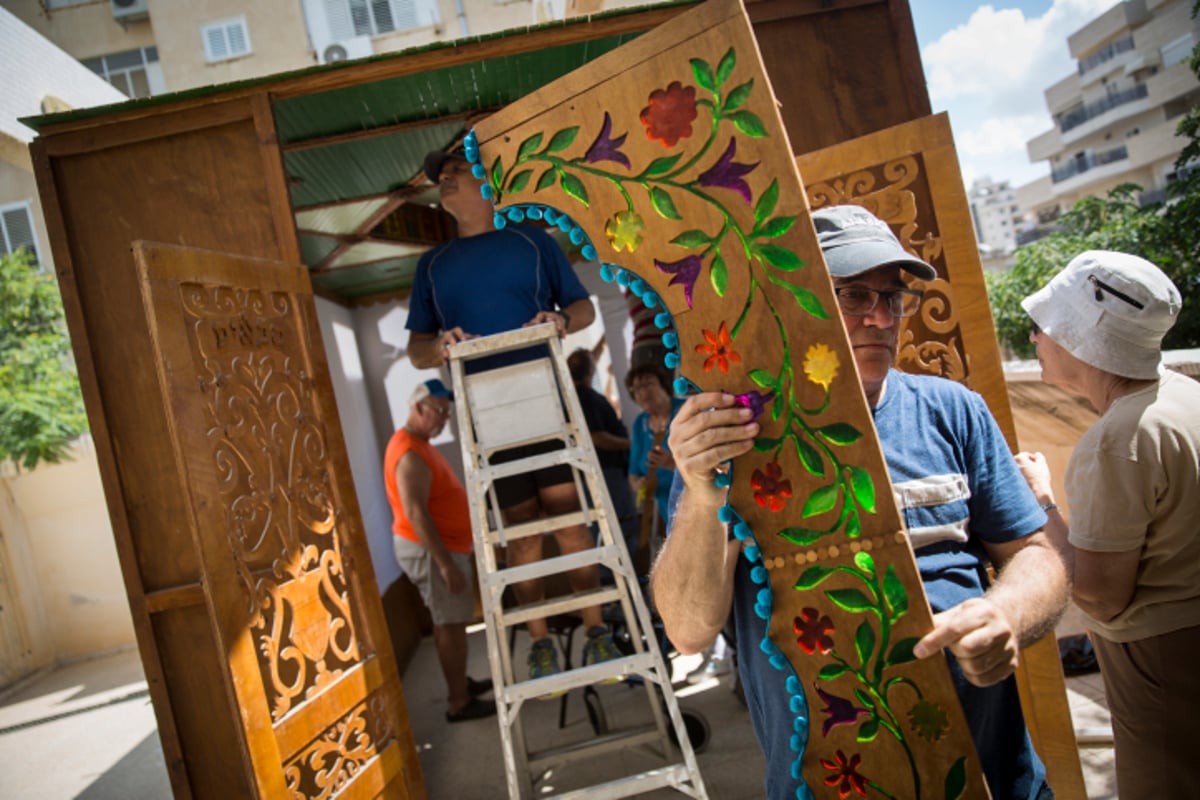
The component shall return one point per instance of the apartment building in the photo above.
(996, 215)
(1115, 116)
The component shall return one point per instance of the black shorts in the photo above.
(516, 489)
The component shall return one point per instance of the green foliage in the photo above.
(41, 408)
(1162, 233)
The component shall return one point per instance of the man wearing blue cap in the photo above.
(433, 543)
(964, 502)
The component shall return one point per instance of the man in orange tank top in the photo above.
(433, 543)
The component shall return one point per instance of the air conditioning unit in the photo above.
(130, 10)
(347, 49)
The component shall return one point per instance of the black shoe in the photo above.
(474, 709)
(476, 688)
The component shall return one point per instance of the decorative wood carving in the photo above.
(667, 158)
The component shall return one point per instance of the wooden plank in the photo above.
(274, 177)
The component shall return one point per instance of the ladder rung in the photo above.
(613, 740)
(638, 663)
(574, 455)
(557, 605)
(675, 776)
(552, 566)
(540, 525)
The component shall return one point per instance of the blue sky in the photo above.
(988, 65)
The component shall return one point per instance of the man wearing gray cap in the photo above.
(964, 505)
(1133, 490)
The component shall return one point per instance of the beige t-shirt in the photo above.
(1134, 482)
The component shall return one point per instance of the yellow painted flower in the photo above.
(821, 365)
(625, 231)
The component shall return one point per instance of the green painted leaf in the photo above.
(703, 74)
(738, 95)
(854, 525)
(902, 652)
(778, 227)
(765, 445)
(864, 643)
(497, 173)
(547, 180)
(749, 124)
(766, 202)
(867, 731)
(831, 671)
(692, 239)
(840, 433)
(865, 563)
(806, 300)
(777, 406)
(663, 203)
(529, 145)
(764, 379)
(660, 165)
(562, 140)
(864, 488)
(780, 258)
(810, 458)
(850, 600)
(822, 500)
(718, 274)
(956, 779)
(574, 187)
(802, 536)
(725, 68)
(519, 179)
(864, 699)
(896, 594)
(812, 577)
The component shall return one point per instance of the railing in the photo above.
(1093, 110)
(1106, 53)
(1080, 165)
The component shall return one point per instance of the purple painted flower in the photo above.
(755, 401)
(606, 147)
(727, 173)
(686, 271)
(840, 710)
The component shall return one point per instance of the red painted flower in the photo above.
(813, 630)
(669, 116)
(845, 774)
(719, 350)
(770, 491)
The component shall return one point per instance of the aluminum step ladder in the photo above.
(527, 403)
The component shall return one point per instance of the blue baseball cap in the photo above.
(430, 388)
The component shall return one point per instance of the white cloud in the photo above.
(990, 73)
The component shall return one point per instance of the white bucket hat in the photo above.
(1110, 310)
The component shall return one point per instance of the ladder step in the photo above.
(608, 555)
(675, 776)
(576, 456)
(539, 526)
(558, 605)
(638, 663)
(606, 743)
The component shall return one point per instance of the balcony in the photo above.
(1105, 54)
(1096, 109)
(1078, 166)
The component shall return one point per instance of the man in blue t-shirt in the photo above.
(482, 282)
(964, 504)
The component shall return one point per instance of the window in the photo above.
(53, 4)
(1177, 51)
(16, 230)
(134, 72)
(225, 39)
(350, 18)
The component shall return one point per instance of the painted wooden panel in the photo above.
(667, 159)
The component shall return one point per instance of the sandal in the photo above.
(474, 709)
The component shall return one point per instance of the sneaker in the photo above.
(711, 668)
(599, 648)
(474, 709)
(543, 662)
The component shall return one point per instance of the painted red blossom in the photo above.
(845, 775)
(718, 347)
(770, 489)
(813, 631)
(670, 114)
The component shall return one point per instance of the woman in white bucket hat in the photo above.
(1133, 490)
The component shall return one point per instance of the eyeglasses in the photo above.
(1036, 330)
(859, 301)
(439, 410)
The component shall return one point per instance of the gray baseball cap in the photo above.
(854, 241)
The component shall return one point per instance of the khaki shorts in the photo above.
(445, 607)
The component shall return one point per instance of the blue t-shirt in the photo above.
(490, 283)
(957, 485)
(641, 440)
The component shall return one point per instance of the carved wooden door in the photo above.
(286, 577)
